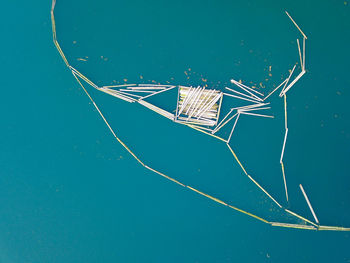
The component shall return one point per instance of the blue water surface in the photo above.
(70, 193)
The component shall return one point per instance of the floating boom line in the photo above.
(109, 89)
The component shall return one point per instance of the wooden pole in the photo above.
(284, 181)
(222, 125)
(291, 73)
(219, 110)
(194, 103)
(296, 25)
(190, 93)
(292, 83)
(137, 91)
(241, 98)
(301, 60)
(300, 217)
(239, 93)
(284, 144)
(250, 106)
(308, 203)
(258, 115)
(155, 93)
(240, 85)
(304, 54)
(275, 89)
(209, 106)
(115, 93)
(234, 126)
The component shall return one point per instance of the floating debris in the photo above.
(199, 108)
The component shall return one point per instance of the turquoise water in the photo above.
(70, 193)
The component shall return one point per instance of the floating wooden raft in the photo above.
(199, 105)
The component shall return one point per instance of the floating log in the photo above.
(83, 77)
(200, 113)
(251, 89)
(333, 228)
(251, 106)
(120, 86)
(245, 88)
(301, 60)
(222, 120)
(293, 226)
(293, 82)
(241, 98)
(177, 102)
(255, 114)
(157, 109)
(155, 93)
(296, 24)
(198, 103)
(198, 127)
(218, 115)
(234, 126)
(212, 135)
(191, 101)
(117, 94)
(187, 99)
(167, 177)
(284, 144)
(197, 121)
(291, 73)
(208, 196)
(304, 53)
(242, 94)
(254, 109)
(137, 91)
(300, 217)
(222, 125)
(194, 104)
(285, 111)
(308, 203)
(129, 94)
(284, 180)
(146, 88)
(154, 85)
(276, 89)
(208, 98)
(234, 155)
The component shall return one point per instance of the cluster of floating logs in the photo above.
(198, 105)
(199, 108)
